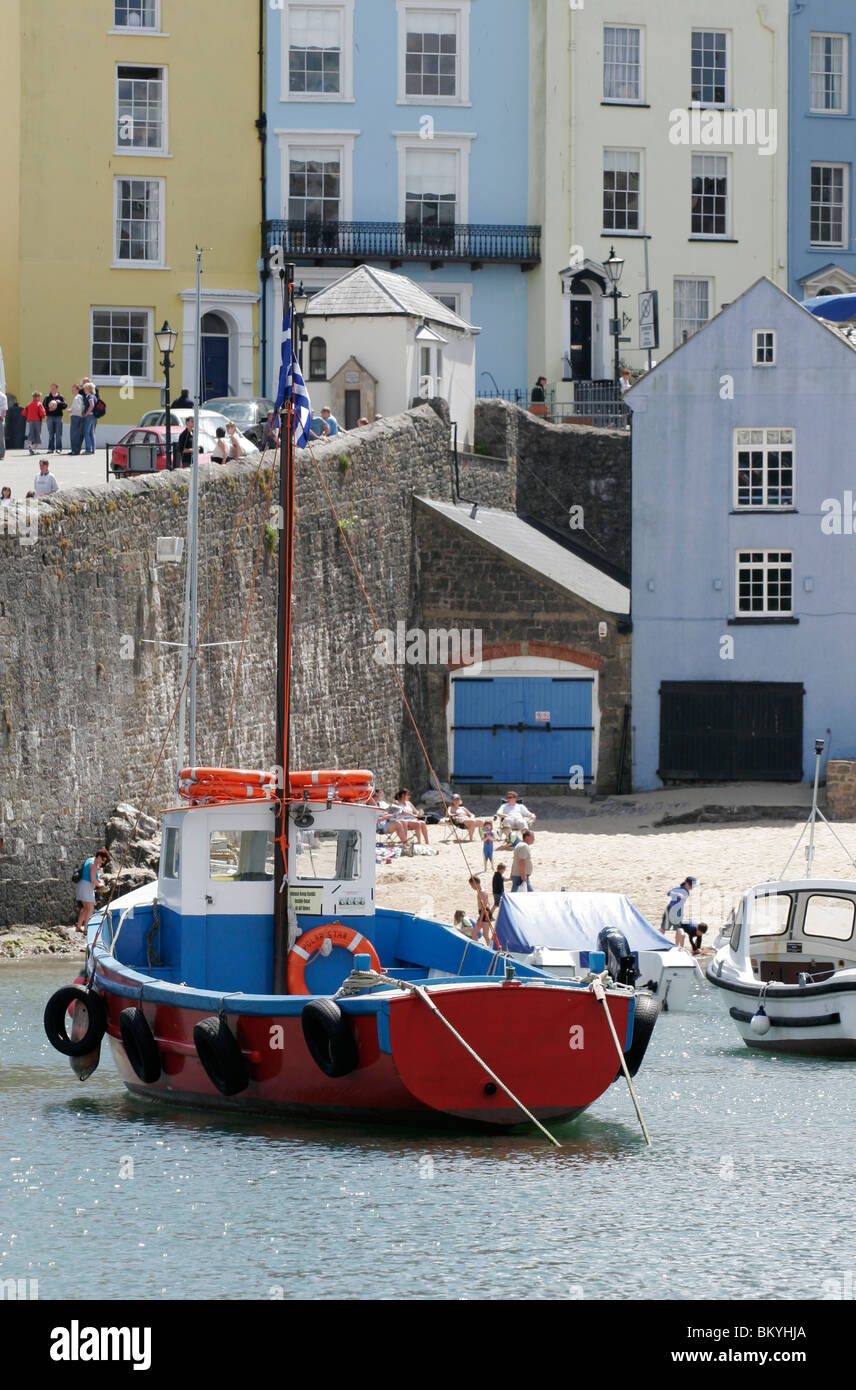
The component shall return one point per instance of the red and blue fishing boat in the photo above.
(257, 974)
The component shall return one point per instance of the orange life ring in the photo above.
(346, 784)
(309, 943)
(226, 784)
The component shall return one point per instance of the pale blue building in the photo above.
(743, 551)
(822, 142)
(397, 134)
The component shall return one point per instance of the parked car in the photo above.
(209, 422)
(144, 451)
(248, 412)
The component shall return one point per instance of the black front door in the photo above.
(581, 340)
(731, 731)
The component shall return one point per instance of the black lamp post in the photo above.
(166, 339)
(614, 267)
(301, 299)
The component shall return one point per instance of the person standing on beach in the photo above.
(498, 885)
(483, 925)
(90, 879)
(487, 845)
(521, 864)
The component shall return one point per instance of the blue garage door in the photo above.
(522, 728)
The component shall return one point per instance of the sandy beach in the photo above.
(621, 845)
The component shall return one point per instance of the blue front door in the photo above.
(215, 367)
(523, 729)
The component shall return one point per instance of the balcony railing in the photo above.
(404, 241)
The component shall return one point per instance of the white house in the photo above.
(664, 136)
(376, 338)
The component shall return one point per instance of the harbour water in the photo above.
(746, 1192)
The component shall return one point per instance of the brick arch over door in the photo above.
(554, 651)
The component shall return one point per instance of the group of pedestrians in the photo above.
(83, 413)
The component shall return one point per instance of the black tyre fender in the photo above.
(646, 1015)
(219, 1052)
(140, 1047)
(332, 1045)
(56, 1011)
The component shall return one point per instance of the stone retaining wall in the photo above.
(841, 789)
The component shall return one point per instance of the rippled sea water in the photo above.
(746, 1193)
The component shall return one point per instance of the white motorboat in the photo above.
(558, 932)
(787, 969)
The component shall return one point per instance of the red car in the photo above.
(143, 451)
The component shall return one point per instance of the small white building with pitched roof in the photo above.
(413, 346)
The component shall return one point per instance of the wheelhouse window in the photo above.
(140, 110)
(709, 215)
(828, 73)
(170, 853)
(314, 50)
(318, 359)
(765, 582)
(136, 14)
(692, 301)
(709, 67)
(139, 214)
(764, 468)
(622, 176)
(770, 915)
(829, 212)
(764, 347)
(240, 856)
(622, 63)
(829, 916)
(327, 854)
(121, 341)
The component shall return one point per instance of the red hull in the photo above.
(550, 1046)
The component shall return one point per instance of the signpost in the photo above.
(649, 320)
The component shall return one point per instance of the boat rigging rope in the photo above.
(390, 662)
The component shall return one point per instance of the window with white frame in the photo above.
(764, 347)
(709, 216)
(138, 236)
(430, 191)
(829, 212)
(692, 301)
(622, 63)
(765, 582)
(622, 199)
(121, 344)
(828, 73)
(451, 301)
(764, 463)
(136, 14)
(434, 52)
(140, 110)
(709, 67)
(430, 370)
(315, 41)
(314, 184)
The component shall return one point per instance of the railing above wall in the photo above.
(396, 242)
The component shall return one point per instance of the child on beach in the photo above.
(487, 845)
(483, 924)
(498, 885)
(463, 923)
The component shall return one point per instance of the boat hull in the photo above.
(815, 1021)
(549, 1044)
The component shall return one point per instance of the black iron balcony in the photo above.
(396, 242)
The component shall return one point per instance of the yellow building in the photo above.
(128, 138)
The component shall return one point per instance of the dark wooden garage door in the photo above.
(735, 731)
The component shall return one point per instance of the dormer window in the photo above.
(764, 354)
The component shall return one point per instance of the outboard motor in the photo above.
(619, 957)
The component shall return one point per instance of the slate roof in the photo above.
(517, 541)
(378, 293)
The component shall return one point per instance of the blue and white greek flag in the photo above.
(292, 387)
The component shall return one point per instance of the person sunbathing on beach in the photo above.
(463, 819)
(414, 820)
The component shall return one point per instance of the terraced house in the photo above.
(398, 137)
(124, 147)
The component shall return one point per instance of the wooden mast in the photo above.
(283, 660)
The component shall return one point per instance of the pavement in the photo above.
(19, 468)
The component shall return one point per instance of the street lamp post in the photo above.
(614, 267)
(166, 339)
(301, 299)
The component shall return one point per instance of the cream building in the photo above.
(665, 128)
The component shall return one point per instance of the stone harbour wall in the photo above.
(88, 683)
(841, 789)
